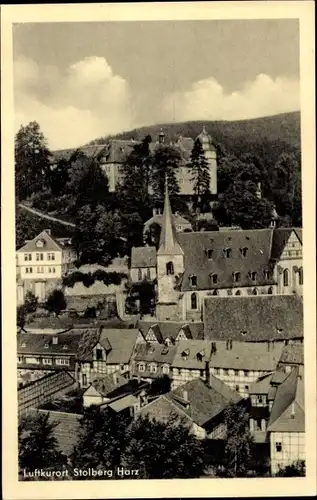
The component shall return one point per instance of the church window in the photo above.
(228, 252)
(193, 280)
(254, 291)
(236, 277)
(209, 253)
(193, 299)
(270, 291)
(300, 276)
(238, 292)
(170, 268)
(244, 251)
(286, 277)
(139, 274)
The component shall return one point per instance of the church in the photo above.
(189, 266)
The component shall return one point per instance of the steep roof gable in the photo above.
(49, 244)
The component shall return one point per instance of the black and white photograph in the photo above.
(159, 274)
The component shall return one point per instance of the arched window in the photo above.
(270, 291)
(286, 277)
(139, 275)
(300, 276)
(193, 280)
(255, 291)
(215, 292)
(238, 292)
(170, 268)
(193, 299)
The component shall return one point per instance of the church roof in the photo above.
(143, 257)
(168, 239)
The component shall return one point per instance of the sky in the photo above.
(81, 81)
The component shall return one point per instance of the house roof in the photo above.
(191, 348)
(171, 329)
(119, 342)
(66, 430)
(162, 409)
(293, 354)
(205, 401)
(255, 318)
(143, 257)
(262, 385)
(196, 245)
(177, 220)
(49, 244)
(123, 403)
(154, 352)
(108, 383)
(35, 343)
(280, 238)
(288, 412)
(253, 356)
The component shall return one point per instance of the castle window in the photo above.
(228, 252)
(270, 291)
(285, 277)
(236, 277)
(209, 253)
(255, 291)
(253, 276)
(300, 276)
(193, 280)
(193, 299)
(244, 251)
(139, 274)
(170, 268)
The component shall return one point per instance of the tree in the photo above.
(102, 439)
(207, 225)
(200, 175)
(30, 302)
(286, 186)
(32, 161)
(166, 161)
(238, 441)
(297, 468)
(160, 385)
(163, 450)
(21, 316)
(153, 234)
(37, 445)
(56, 302)
(59, 177)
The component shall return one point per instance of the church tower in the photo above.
(170, 264)
(211, 157)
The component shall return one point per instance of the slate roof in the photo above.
(49, 244)
(192, 348)
(143, 257)
(66, 430)
(171, 329)
(293, 354)
(196, 245)
(261, 318)
(288, 412)
(253, 356)
(34, 343)
(120, 343)
(154, 352)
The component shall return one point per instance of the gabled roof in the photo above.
(205, 400)
(197, 244)
(170, 329)
(162, 409)
(49, 244)
(191, 361)
(255, 318)
(255, 356)
(35, 343)
(143, 257)
(288, 413)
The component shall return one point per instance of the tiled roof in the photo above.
(293, 354)
(288, 414)
(107, 384)
(205, 401)
(177, 220)
(35, 343)
(187, 351)
(143, 257)
(49, 244)
(253, 356)
(197, 244)
(154, 352)
(162, 409)
(120, 342)
(255, 318)
(170, 329)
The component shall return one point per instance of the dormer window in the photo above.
(227, 252)
(169, 268)
(253, 276)
(39, 243)
(23, 344)
(65, 347)
(209, 254)
(46, 345)
(244, 251)
(99, 354)
(236, 277)
(200, 355)
(193, 280)
(213, 278)
(185, 354)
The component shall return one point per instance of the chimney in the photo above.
(55, 339)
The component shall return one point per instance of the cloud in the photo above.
(85, 102)
(206, 99)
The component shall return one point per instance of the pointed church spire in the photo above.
(168, 240)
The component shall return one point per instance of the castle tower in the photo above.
(170, 264)
(211, 157)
